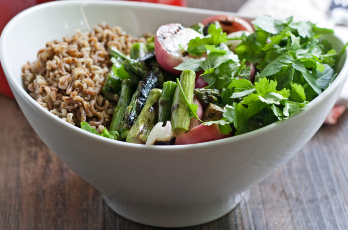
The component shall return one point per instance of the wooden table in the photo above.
(37, 191)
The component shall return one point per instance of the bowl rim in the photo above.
(20, 89)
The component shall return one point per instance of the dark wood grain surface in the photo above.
(37, 191)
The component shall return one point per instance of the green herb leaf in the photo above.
(192, 107)
(324, 78)
(307, 75)
(192, 64)
(111, 135)
(271, 25)
(297, 93)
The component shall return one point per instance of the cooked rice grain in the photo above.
(67, 77)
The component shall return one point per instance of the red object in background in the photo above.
(167, 2)
(9, 8)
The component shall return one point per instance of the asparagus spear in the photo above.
(166, 101)
(146, 120)
(111, 86)
(138, 101)
(118, 115)
(207, 96)
(135, 69)
(138, 50)
(180, 112)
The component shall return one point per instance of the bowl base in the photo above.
(174, 216)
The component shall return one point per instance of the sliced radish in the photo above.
(199, 82)
(160, 133)
(196, 122)
(168, 39)
(200, 134)
(234, 43)
(252, 71)
(229, 24)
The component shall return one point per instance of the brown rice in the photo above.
(67, 77)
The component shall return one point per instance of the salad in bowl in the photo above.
(224, 99)
(218, 78)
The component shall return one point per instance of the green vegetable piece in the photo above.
(136, 70)
(213, 113)
(207, 96)
(112, 86)
(118, 114)
(198, 27)
(138, 101)
(113, 52)
(166, 101)
(180, 119)
(105, 133)
(146, 120)
(138, 50)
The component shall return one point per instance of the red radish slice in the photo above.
(199, 82)
(229, 24)
(200, 134)
(196, 122)
(168, 39)
(252, 71)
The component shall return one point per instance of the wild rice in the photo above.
(67, 77)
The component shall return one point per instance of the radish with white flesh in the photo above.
(168, 39)
(234, 43)
(160, 133)
(195, 122)
(229, 24)
(200, 134)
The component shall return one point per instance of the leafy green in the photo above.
(105, 133)
(293, 68)
(224, 125)
(215, 37)
(192, 64)
(251, 48)
(271, 25)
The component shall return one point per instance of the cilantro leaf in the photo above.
(226, 94)
(297, 93)
(271, 25)
(192, 64)
(307, 75)
(105, 133)
(324, 78)
(292, 108)
(229, 113)
(192, 107)
(242, 93)
(251, 47)
(304, 29)
(272, 98)
(214, 59)
(224, 125)
(216, 35)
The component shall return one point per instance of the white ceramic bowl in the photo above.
(164, 186)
